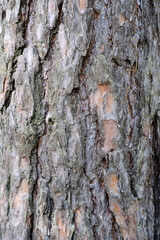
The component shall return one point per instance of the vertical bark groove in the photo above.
(156, 157)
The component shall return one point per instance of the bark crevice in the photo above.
(156, 159)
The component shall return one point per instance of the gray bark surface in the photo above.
(79, 119)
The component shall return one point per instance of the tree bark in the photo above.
(79, 119)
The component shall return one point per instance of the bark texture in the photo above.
(79, 119)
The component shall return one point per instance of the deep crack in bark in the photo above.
(156, 158)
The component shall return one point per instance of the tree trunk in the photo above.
(79, 119)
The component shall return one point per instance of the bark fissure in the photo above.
(53, 33)
(156, 158)
(8, 95)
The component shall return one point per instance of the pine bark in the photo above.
(79, 119)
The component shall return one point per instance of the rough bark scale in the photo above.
(79, 119)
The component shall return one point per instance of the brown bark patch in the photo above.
(24, 187)
(110, 132)
(102, 89)
(97, 98)
(132, 228)
(23, 190)
(52, 6)
(62, 228)
(121, 19)
(82, 5)
(110, 126)
(112, 183)
(101, 48)
(79, 217)
(110, 100)
(23, 163)
(119, 215)
(132, 221)
(146, 129)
